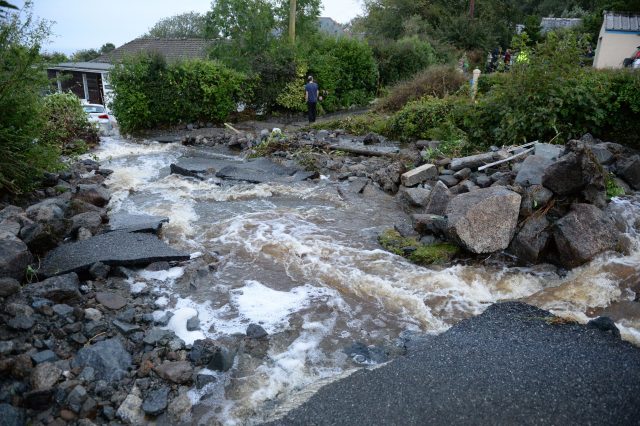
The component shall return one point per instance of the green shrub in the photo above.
(23, 156)
(419, 118)
(151, 93)
(400, 59)
(359, 124)
(66, 125)
(437, 81)
(416, 252)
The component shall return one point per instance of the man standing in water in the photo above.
(311, 97)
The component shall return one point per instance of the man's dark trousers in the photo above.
(312, 111)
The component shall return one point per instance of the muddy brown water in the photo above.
(302, 260)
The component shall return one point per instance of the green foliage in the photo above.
(66, 125)
(358, 124)
(552, 95)
(23, 157)
(613, 189)
(184, 25)
(276, 141)
(419, 118)
(416, 252)
(401, 59)
(85, 55)
(437, 81)
(151, 93)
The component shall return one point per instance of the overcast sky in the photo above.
(86, 24)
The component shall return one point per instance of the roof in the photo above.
(550, 24)
(82, 66)
(621, 22)
(172, 49)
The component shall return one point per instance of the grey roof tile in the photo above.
(621, 22)
(172, 49)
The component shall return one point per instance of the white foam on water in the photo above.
(137, 287)
(178, 324)
(162, 301)
(168, 276)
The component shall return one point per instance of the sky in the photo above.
(86, 24)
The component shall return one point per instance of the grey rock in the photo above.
(88, 220)
(180, 408)
(88, 374)
(59, 289)
(262, 170)
(603, 155)
(38, 399)
(204, 379)
(448, 180)
(15, 309)
(466, 186)
(99, 270)
(113, 248)
(420, 174)
(126, 328)
(63, 310)
(483, 181)
(483, 221)
(426, 224)
(110, 300)
(202, 351)
(629, 170)
(222, 359)
(179, 372)
(532, 170)
(136, 223)
(76, 398)
(157, 336)
(475, 161)
(193, 324)
(11, 212)
(44, 356)
(49, 211)
(438, 199)
(530, 242)
(11, 416)
(164, 319)
(92, 314)
(548, 151)
(462, 174)
(10, 226)
(130, 411)
(255, 331)
(371, 138)
(6, 347)
(416, 196)
(21, 322)
(45, 376)
(14, 256)
(93, 194)
(8, 286)
(93, 328)
(156, 401)
(108, 358)
(583, 234)
(83, 234)
(534, 197)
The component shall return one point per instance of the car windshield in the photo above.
(93, 108)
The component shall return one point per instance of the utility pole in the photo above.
(292, 21)
(472, 8)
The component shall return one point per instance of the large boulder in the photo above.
(14, 256)
(438, 199)
(109, 359)
(485, 220)
(63, 288)
(93, 194)
(577, 173)
(629, 170)
(420, 174)
(530, 242)
(532, 169)
(583, 234)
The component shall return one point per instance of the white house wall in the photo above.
(613, 47)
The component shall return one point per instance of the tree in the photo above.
(185, 25)
(107, 47)
(54, 57)
(84, 55)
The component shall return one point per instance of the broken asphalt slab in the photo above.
(198, 167)
(135, 223)
(514, 364)
(113, 248)
(263, 170)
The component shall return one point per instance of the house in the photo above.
(552, 24)
(619, 37)
(330, 27)
(90, 80)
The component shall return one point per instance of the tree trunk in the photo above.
(292, 21)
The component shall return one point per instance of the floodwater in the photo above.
(302, 261)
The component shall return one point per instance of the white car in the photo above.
(98, 114)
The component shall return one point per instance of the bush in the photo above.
(151, 93)
(418, 119)
(66, 124)
(23, 157)
(437, 81)
(553, 96)
(400, 59)
(359, 124)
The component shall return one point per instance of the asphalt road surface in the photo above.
(514, 364)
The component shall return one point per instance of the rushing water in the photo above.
(302, 261)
